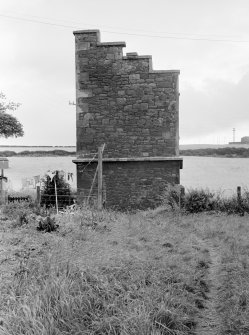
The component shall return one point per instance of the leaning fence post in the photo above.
(94, 178)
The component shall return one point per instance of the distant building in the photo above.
(244, 140)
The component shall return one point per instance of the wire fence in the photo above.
(18, 199)
(64, 197)
(55, 197)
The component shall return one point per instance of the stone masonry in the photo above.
(122, 102)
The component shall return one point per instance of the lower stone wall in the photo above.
(128, 184)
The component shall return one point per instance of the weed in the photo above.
(171, 197)
(14, 209)
(47, 224)
(199, 200)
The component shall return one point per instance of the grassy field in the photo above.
(153, 272)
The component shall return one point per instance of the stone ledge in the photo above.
(111, 44)
(164, 71)
(138, 57)
(87, 31)
(130, 159)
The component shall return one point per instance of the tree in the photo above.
(9, 125)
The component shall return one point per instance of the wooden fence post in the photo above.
(100, 177)
(38, 195)
(239, 200)
(90, 192)
(56, 197)
(4, 164)
(3, 193)
(239, 194)
(182, 197)
(1, 188)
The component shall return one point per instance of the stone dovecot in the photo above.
(122, 102)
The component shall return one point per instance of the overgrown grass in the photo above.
(130, 298)
(114, 273)
(229, 235)
(107, 273)
(234, 274)
(19, 212)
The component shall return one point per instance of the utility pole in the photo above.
(233, 134)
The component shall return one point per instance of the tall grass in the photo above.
(129, 274)
(131, 298)
(116, 273)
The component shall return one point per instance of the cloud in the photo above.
(221, 105)
(37, 60)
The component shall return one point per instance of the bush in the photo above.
(197, 201)
(47, 224)
(234, 206)
(202, 200)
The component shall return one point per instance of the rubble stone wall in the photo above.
(129, 185)
(122, 102)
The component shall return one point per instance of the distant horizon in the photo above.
(51, 146)
(74, 146)
(37, 146)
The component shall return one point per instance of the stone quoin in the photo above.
(122, 102)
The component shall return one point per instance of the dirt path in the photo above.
(209, 323)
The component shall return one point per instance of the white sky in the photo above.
(37, 60)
